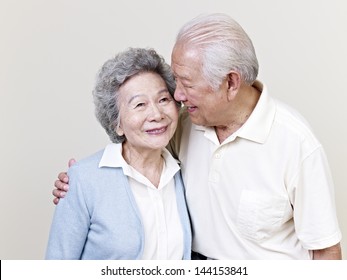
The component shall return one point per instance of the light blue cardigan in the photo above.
(99, 218)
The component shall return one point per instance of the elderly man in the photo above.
(257, 180)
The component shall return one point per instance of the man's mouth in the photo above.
(191, 109)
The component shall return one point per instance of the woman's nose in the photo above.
(156, 112)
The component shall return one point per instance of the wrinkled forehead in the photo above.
(185, 62)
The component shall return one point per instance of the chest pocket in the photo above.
(259, 215)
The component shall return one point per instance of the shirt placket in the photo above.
(162, 240)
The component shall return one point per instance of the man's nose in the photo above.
(179, 93)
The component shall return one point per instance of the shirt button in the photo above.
(217, 155)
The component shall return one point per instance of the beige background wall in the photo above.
(49, 54)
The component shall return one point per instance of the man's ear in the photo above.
(234, 84)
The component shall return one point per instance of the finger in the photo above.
(71, 162)
(61, 186)
(58, 193)
(63, 177)
(56, 200)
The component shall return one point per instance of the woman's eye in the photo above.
(165, 99)
(138, 105)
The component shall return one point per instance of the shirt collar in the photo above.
(112, 157)
(258, 125)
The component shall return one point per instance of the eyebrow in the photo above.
(164, 90)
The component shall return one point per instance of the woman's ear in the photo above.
(119, 130)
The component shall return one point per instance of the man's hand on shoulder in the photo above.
(62, 184)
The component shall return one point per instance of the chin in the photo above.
(160, 145)
(198, 121)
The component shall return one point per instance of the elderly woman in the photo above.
(127, 201)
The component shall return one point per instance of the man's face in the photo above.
(204, 105)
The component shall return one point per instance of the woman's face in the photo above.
(148, 113)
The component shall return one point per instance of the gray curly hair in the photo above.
(114, 73)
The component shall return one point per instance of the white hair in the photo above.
(224, 46)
